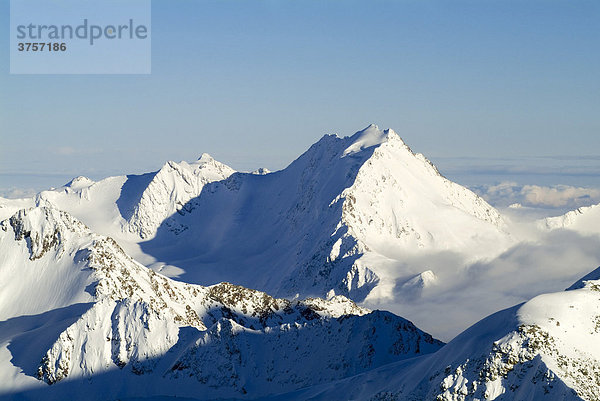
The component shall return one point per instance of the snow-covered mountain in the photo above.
(121, 288)
(584, 220)
(77, 309)
(131, 207)
(341, 219)
(169, 192)
(544, 349)
(330, 223)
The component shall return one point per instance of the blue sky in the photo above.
(254, 83)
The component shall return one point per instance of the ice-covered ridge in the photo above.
(401, 193)
(129, 208)
(79, 182)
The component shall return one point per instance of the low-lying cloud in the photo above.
(556, 196)
(466, 292)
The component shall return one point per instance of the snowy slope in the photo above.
(545, 349)
(584, 220)
(94, 314)
(361, 216)
(51, 254)
(39, 252)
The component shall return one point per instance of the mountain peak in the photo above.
(368, 137)
(205, 157)
(44, 227)
(171, 189)
(261, 171)
(79, 182)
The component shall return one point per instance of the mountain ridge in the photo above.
(127, 318)
(357, 216)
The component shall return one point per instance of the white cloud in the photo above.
(466, 292)
(555, 196)
(561, 195)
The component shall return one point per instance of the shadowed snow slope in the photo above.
(96, 316)
(545, 349)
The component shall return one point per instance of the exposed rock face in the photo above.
(42, 228)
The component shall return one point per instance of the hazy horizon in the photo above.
(255, 84)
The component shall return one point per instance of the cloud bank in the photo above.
(557, 196)
(466, 292)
